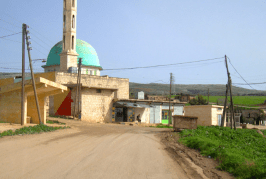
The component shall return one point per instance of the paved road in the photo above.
(88, 151)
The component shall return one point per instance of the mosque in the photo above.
(102, 99)
(97, 92)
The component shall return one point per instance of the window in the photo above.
(64, 21)
(98, 91)
(73, 3)
(219, 119)
(64, 3)
(73, 42)
(64, 42)
(73, 21)
(219, 109)
(95, 72)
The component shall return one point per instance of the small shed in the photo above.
(207, 114)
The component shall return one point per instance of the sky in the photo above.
(141, 33)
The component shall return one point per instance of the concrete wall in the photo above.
(203, 112)
(144, 114)
(207, 114)
(32, 109)
(96, 107)
(6, 81)
(10, 107)
(97, 82)
(215, 112)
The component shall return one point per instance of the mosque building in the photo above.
(102, 98)
(97, 92)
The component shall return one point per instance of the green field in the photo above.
(240, 100)
(241, 152)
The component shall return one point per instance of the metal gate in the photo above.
(155, 114)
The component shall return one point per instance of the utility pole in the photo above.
(231, 98)
(169, 115)
(225, 103)
(32, 75)
(232, 106)
(208, 96)
(23, 76)
(79, 97)
(77, 89)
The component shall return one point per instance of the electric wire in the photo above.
(8, 29)
(10, 23)
(10, 35)
(239, 74)
(154, 66)
(10, 40)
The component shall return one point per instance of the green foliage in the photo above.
(2, 122)
(31, 130)
(163, 126)
(250, 101)
(199, 100)
(241, 152)
(55, 122)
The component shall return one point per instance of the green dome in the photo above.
(84, 49)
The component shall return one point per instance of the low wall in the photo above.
(185, 122)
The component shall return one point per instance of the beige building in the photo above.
(10, 99)
(207, 114)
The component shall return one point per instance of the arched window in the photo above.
(73, 21)
(64, 42)
(73, 42)
(73, 3)
(64, 21)
(64, 3)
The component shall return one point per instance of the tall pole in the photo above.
(232, 107)
(23, 76)
(231, 98)
(169, 115)
(225, 103)
(208, 96)
(77, 91)
(79, 94)
(32, 76)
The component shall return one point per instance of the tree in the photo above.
(198, 101)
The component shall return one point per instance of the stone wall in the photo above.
(185, 122)
(202, 112)
(96, 107)
(100, 82)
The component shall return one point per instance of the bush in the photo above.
(241, 152)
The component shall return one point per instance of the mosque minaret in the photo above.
(68, 56)
(64, 55)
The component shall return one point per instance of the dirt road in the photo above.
(90, 151)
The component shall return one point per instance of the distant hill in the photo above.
(215, 89)
(163, 89)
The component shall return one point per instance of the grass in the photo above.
(241, 152)
(251, 101)
(162, 126)
(3, 122)
(55, 122)
(31, 130)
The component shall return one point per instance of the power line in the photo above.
(10, 40)
(9, 23)
(250, 83)
(40, 45)
(10, 35)
(8, 29)
(161, 65)
(239, 74)
(41, 35)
